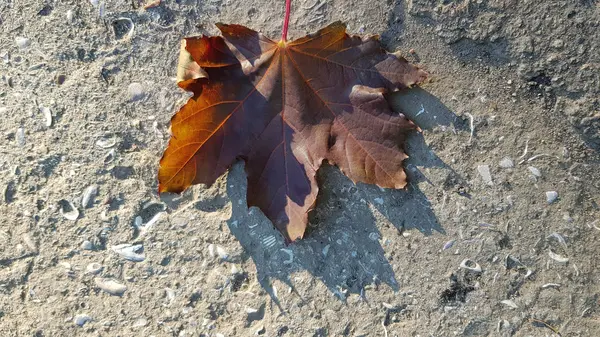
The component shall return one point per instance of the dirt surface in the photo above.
(84, 103)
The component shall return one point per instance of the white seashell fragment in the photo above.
(510, 303)
(81, 319)
(486, 176)
(558, 258)
(290, 254)
(506, 162)
(20, 137)
(110, 286)
(94, 3)
(110, 156)
(106, 142)
(94, 268)
(534, 171)
(144, 228)
(235, 270)
(170, 294)
(130, 252)
(550, 285)
(101, 9)
(87, 200)
(448, 244)
(22, 42)
(558, 238)
(136, 91)
(47, 115)
(215, 250)
(388, 306)
(70, 16)
(326, 250)
(68, 210)
(471, 266)
(551, 196)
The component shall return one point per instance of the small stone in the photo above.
(551, 196)
(140, 322)
(87, 245)
(20, 137)
(81, 319)
(558, 43)
(136, 91)
(261, 330)
(484, 172)
(22, 42)
(506, 162)
(60, 79)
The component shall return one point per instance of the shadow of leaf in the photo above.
(343, 247)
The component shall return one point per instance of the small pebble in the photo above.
(136, 91)
(484, 172)
(20, 137)
(506, 162)
(22, 42)
(261, 330)
(551, 196)
(81, 319)
(87, 245)
(60, 79)
(558, 44)
(140, 322)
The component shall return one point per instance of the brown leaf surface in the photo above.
(284, 108)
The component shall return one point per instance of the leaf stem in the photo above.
(286, 20)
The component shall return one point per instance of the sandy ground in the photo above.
(512, 112)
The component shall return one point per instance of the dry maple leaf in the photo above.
(284, 107)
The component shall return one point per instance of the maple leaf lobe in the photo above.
(285, 108)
